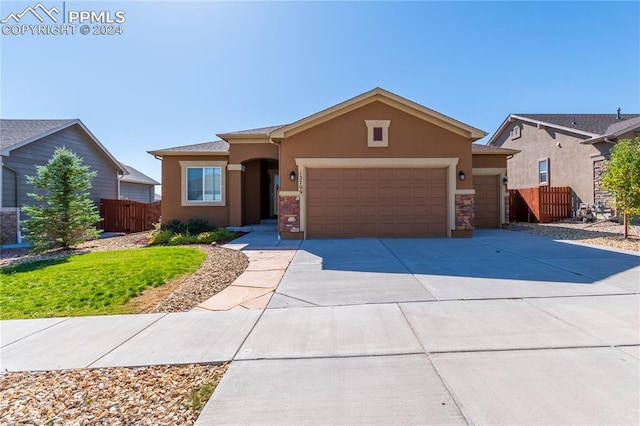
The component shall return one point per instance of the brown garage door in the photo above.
(345, 203)
(486, 205)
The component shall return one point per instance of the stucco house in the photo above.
(24, 144)
(376, 165)
(563, 150)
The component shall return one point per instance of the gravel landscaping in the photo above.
(607, 234)
(161, 395)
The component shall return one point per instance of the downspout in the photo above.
(271, 140)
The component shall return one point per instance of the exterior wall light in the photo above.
(505, 180)
(292, 176)
(461, 175)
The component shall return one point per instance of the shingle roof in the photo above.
(623, 125)
(490, 149)
(13, 132)
(258, 131)
(214, 146)
(135, 176)
(591, 123)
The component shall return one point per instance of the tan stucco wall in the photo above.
(489, 161)
(346, 136)
(570, 163)
(171, 193)
(242, 152)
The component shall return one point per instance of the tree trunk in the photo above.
(626, 226)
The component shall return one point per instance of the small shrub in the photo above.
(197, 226)
(182, 239)
(161, 237)
(223, 234)
(175, 226)
(199, 397)
(206, 237)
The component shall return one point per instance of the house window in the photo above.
(203, 183)
(377, 133)
(543, 171)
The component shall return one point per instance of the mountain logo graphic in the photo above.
(34, 11)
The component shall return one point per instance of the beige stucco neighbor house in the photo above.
(563, 150)
(376, 165)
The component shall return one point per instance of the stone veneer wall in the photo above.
(599, 194)
(8, 226)
(464, 212)
(289, 215)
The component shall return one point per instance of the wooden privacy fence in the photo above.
(543, 204)
(128, 216)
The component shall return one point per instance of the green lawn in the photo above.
(90, 284)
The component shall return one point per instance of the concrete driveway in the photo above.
(504, 328)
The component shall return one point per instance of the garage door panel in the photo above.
(382, 202)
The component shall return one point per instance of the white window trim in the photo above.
(184, 165)
(384, 124)
(545, 183)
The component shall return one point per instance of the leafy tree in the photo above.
(66, 216)
(622, 178)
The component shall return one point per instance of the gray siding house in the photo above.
(563, 150)
(27, 143)
(136, 186)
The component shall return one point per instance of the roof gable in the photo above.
(388, 98)
(206, 148)
(17, 133)
(585, 125)
(590, 123)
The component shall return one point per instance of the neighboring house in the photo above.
(136, 186)
(563, 150)
(377, 165)
(24, 144)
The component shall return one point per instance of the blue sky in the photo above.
(183, 71)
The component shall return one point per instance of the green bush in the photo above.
(197, 226)
(193, 226)
(160, 237)
(224, 234)
(165, 234)
(182, 239)
(174, 225)
(206, 237)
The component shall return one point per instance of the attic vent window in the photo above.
(515, 132)
(377, 133)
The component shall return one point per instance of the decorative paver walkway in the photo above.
(254, 288)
